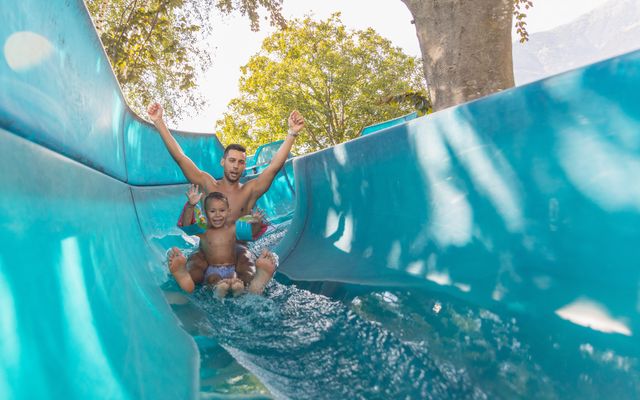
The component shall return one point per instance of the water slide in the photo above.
(522, 206)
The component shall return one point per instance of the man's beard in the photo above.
(227, 175)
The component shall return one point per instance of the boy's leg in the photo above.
(245, 266)
(265, 268)
(237, 287)
(222, 288)
(178, 268)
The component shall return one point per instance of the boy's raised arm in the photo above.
(190, 222)
(194, 174)
(194, 195)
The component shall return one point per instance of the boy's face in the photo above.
(216, 211)
(234, 164)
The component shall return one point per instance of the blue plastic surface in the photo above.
(388, 124)
(81, 313)
(528, 200)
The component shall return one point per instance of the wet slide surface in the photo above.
(486, 251)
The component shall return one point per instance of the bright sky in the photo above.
(233, 43)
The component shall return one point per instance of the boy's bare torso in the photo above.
(218, 245)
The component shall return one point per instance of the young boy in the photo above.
(217, 243)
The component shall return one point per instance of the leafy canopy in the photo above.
(340, 80)
(156, 47)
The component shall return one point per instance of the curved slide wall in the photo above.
(81, 313)
(529, 198)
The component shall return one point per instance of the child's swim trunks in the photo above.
(225, 271)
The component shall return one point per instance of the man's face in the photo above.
(217, 211)
(234, 164)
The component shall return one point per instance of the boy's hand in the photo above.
(296, 122)
(194, 195)
(155, 112)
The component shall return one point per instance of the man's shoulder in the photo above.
(212, 185)
(249, 185)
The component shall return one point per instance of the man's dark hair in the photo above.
(217, 196)
(233, 146)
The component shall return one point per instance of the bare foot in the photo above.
(221, 288)
(178, 268)
(237, 287)
(265, 268)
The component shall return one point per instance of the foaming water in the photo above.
(305, 345)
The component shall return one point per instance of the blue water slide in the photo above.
(527, 200)
(388, 124)
(530, 197)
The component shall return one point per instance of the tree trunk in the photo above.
(466, 47)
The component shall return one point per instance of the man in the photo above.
(242, 199)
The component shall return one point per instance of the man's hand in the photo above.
(194, 195)
(296, 123)
(257, 216)
(155, 112)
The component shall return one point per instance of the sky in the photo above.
(232, 42)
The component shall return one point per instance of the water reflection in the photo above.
(490, 172)
(24, 50)
(10, 343)
(450, 214)
(586, 312)
(605, 172)
(82, 332)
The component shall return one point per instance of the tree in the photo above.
(155, 45)
(340, 80)
(466, 48)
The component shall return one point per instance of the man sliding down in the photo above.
(241, 197)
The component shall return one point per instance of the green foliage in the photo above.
(250, 9)
(155, 46)
(519, 16)
(340, 80)
(420, 101)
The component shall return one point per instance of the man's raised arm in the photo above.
(262, 183)
(194, 174)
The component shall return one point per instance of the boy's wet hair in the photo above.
(233, 146)
(217, 196)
